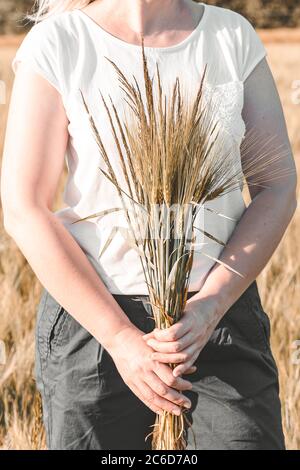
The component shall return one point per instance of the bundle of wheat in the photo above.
(173, 161)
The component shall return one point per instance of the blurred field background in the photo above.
(279, 283)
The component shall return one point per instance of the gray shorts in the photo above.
(87, 405)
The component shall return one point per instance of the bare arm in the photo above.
(253, 241)
(267, 217)
(35, 145)
(33, 159)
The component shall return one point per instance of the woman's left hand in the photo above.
(182, 342)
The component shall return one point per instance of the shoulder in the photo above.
(54, 28)
(228, 21)
(237, 38)
(53, 38)
(49, 47)
(235, 32)
(226, 16)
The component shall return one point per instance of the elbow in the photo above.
(285, 197)
(18, 218)
(288, 193)
(293, 206)
(293, 194)
(10, 221)
(13, 218)
(11, 210)
(18, 209)
(291, 197)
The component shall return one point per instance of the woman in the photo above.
(101, 378)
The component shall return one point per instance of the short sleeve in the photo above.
(252, 49)
(39, 50)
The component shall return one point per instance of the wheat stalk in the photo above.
(171, 154)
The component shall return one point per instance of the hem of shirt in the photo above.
(260, 57)
(36, 69)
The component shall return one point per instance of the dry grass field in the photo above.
(279, 283)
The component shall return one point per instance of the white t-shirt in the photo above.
(69, 49)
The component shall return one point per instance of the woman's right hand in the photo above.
(151, 381)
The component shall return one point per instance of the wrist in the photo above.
(121, 338)
(213, 305)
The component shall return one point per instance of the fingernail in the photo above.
(187, 405)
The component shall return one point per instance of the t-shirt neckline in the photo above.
(129, 45)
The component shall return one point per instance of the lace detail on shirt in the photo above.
(229, 99)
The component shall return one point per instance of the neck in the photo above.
(149, 17)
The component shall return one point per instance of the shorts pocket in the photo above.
(245, 323)
(51, 320)
(261, 319)
(254, 323)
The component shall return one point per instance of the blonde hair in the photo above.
(46, 8)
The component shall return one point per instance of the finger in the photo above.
(165, 373)
(156, 409)
(176, 358)
(175, 331)
(167, 392)
(191, 370)
(172, 346)
(152, 397)
(182, 368)
(149, 335)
